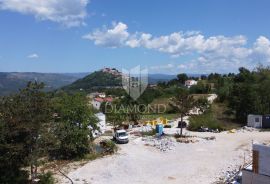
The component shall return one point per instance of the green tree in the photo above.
(23, 119)
(182, 77)
(116, 113)
(74, 122)
(134, 108)
(249, 94)
(200, 88)
(182, 103)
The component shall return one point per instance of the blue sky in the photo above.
(165, 36)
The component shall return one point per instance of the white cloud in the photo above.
(33, 56)
(161, 67)
(66, 12)
(114, 37)
(226, 53)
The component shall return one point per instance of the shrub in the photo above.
(168, 126)
(46, 178)
(206, 120)
(92, 156)
(108, 146)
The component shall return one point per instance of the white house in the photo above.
(190, 83)
(96, 102)
(254, 121)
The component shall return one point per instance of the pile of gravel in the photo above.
(163, 143)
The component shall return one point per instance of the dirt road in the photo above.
(202, 162)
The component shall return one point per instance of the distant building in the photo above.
(96, 102)
(259, 171)
(190, 83)
(112, 71)
(96, 94)
(258, 121)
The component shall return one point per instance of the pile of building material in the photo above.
(187, 140)
(163, 143)
(234, 176)
(194, 139)
(248, 129)
(146, 128)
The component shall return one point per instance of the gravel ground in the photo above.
(202, 162)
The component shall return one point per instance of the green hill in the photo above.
(11, 82)
(96, 80)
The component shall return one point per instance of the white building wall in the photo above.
(96, 104)
(101, 125)
(102, 122)
(254, 121)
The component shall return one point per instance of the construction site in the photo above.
(199, 157)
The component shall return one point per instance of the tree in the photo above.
(182, 103)
(23, 118)
(162, 84)
(250, 93)
(213, 77)
(74, 123)
(200, 88)
(182, 77)
(203, 77)
(134, 108)
(173, 82)
(115, 113)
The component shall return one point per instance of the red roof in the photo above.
(108, 99)
(99, 99)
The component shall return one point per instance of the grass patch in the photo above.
(264, 130)
(146, 117)
(217, 117)
(163, 102)
(204, 120)
(197, 96)
(222, 114)
(92, 156)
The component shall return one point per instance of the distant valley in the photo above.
(11, 82)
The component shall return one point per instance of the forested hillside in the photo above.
(13, 81)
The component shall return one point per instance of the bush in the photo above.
(13, 175)
(206, 120)
(168, 126)
(108, 146)
(46, 178)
